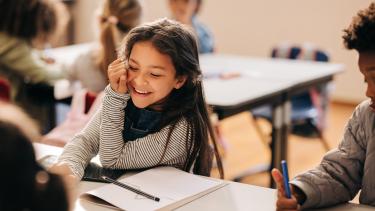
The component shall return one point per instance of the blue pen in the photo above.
(284, 167)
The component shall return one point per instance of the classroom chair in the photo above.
(83, 107)
(308, 113)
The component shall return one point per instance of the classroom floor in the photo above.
(245, 149)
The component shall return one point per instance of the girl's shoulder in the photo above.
(179, 123)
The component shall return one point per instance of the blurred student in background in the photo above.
(185, 11)
(25, 185)
(24, 26)
(116, 19)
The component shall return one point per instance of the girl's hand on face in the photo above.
(283, 203)
(117, 76)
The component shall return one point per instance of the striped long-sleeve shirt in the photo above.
(103, 136)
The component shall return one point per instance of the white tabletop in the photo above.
(234, 196)
(259, 76)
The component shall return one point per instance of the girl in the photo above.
(153, 112)
(185, 11)
(115, 21)
(350, 168)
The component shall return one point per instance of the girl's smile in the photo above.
(140, 92)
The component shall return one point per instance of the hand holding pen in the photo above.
(285, 198)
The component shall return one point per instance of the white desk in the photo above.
(263, 81)
(234, 196)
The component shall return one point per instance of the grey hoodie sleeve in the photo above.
(338, 178)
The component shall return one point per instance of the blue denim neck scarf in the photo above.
(139, 122)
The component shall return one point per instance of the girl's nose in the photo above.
(140, 79)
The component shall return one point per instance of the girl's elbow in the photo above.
(108, 163)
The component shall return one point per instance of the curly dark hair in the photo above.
(360, 35)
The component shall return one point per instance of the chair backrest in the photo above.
(84, 105)
(304, 52)
(4, 89)
(309, 52)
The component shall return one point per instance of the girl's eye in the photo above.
(155, 75)
(132, 68)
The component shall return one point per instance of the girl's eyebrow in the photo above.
(151, 66)
(371, 68)
(157, 67)
(132, 60)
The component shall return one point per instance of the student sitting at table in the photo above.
(25, 185)
(153, 112)
(185, 11)
(24, 27)
(90, 68)
(351, 167)
(117, 18)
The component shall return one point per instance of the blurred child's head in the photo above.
(184, 10)
(16, 116)
(32, 20)
(117, 18)
(164, 74)
(360, 36)
(25, 185)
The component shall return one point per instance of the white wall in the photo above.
(252, 27)
(85, 20)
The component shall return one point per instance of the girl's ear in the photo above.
(180, 81)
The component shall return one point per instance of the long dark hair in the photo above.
(179, 43)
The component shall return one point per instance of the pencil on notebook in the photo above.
(134, 190)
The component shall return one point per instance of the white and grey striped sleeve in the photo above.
(83, 147)
(140, 153)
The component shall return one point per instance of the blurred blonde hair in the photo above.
(117, 19)
(16, 116)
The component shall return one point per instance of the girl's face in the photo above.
(151, 76)
(183, 10)
(366, 63)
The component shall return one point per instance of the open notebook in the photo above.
(174, 188)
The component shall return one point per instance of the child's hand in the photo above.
(283, 203)
(70, 181)
(63, 170)
(117, 76)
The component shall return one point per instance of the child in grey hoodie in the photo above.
(351, 167)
